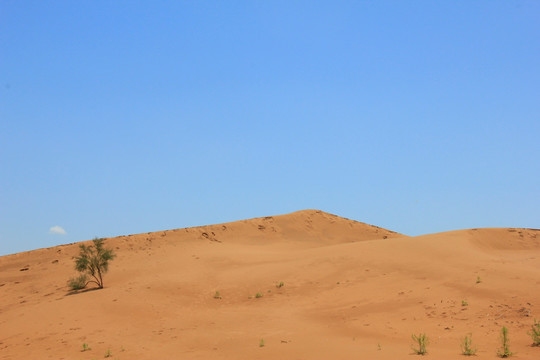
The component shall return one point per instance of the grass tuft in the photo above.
(535, 333)
(466, 346)
(421, 342)
(504, 351)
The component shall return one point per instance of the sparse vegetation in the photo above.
(108, 353)
(280, 284)
(258, 295)
(535, 333)
(261, 343)
(504, 351)
(92, 263)
(464, 303)
(217, 295)
(421, 342)
(466, 346)
(85, 347)
(478, 280)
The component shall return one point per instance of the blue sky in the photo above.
(121, 117)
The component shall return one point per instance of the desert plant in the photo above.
(466, 346)
(92, 261)
(535, 333)
(261, 343)
(85, 347)
(504, 351)
(280, 285)
(108, 353)
(217, 295)
(422, 341)
(478, 280)
(78, 283)
(258, 295)
(464, 303)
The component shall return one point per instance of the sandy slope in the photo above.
(351, 291)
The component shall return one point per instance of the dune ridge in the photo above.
(350, 290)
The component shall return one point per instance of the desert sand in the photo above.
(350, 291)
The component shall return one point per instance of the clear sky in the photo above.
(121, 117)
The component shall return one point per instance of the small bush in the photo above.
(535, 333)
(466, 346)
(280, 285)
(421, 341)
(85, 347)
(464, 303)
(93, 261)
(504, 351)
(108, 353)
(217, 295)
(261, 343)
(478, 280)
(78, 282)
(258, 295)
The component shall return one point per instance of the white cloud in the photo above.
(57, 230)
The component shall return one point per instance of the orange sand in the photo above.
(351, 290)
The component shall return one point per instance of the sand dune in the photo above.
(351, 290)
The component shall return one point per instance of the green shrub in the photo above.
(280, 285)
(466, 346)
(504, 351)
(261, 343)
(85, 347)
(535, 333)
(78, 283)
(421, 341)
(217, 295)
(93, 262)
(258, 295)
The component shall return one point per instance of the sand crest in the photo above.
(349, 290)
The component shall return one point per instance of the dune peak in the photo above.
(310, 283)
